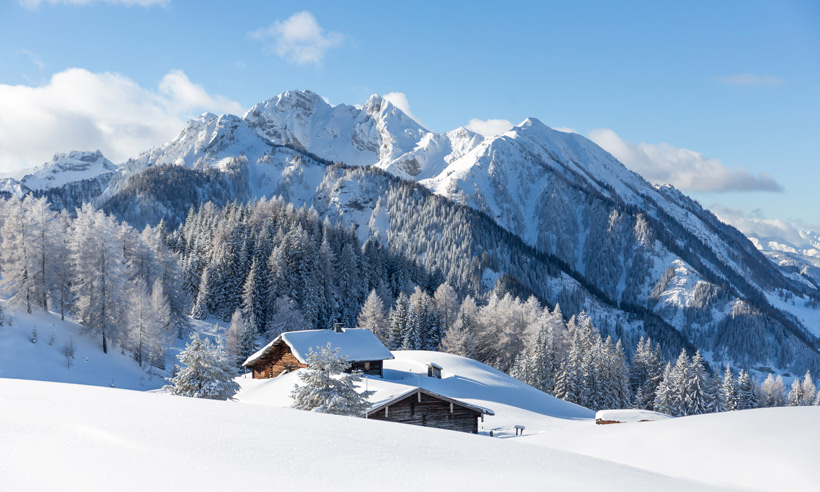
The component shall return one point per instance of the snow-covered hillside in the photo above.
(46, 359)
(72, 438)
(512, 402)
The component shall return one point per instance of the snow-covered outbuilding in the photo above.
(289, 351)
(419, 406)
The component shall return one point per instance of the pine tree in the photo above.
(795, 396)
(460, 338)
(233, 336)
(767, 391)
(664, 393)
(808, 389)
(207, 372)
(446, 304)
(372, 317)
(398, 322)
(285, 316)
(98, 273)
(779, 393)
(747, 396)
(730, 396)
(253, 298)
(697, 397)
(326, 388)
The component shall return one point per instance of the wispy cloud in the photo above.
(751, 80)
(34, 4)
(82, 110)
(34, 57)
(299, 38)
(754, 223)
(489, 128)
(683, 168)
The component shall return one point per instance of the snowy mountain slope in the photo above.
(99, 437)
(798, 258)
(45, 360)
(67, 168)
(600, 225)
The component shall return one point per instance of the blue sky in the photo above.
(720, 98)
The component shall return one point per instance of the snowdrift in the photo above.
(72, 438)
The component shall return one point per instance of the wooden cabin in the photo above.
(289, 351)
(419, 406)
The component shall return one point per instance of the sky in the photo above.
(720, 99)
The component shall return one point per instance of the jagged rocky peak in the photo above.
(67, 167)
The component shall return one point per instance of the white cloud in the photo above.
(299, 38)
(489, 128)
(399, 100)
(683, 168)
(751, 80)
(754, 224)
(565, 129)
(81, 110)
(33, 4)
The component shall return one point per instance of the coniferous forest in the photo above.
(267, 267)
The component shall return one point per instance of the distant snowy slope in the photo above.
(763, 449)
(45, 360)
(67, 168)
(96, 439)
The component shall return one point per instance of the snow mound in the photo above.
(628, 416)
(69, 437)
(761, 449)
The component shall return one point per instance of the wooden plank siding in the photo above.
(429, 411)
(280, 359)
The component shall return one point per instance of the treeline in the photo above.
(121, 284)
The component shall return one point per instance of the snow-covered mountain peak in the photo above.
(68, 167)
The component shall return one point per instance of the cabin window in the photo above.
(424, 419)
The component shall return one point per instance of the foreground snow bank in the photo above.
(761, 449)
(73, 437)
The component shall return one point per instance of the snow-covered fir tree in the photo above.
(372, 317)
(206, 372)
(326, 388)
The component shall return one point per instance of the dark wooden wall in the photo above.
(430, 412)
(280, 359)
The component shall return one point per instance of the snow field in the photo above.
(102, 438)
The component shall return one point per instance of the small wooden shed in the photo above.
(289, 351)
(419, 406)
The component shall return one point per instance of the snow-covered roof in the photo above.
(357, 344)
(390, 400)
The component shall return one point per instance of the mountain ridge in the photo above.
(561, 194)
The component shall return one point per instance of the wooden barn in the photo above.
(289, 351)
(419, 406)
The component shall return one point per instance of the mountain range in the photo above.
(531, 211)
